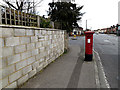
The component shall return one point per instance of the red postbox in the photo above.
(88, 45)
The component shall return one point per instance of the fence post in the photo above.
(14, 18)
(30, 20)
(0, 15)
(25, 18)
(10, 16)
(38, 21)
(21, 18)
(5, 15)
(52, 23)
(18, 17)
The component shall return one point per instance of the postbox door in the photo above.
(89, 45)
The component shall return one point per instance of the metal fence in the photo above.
(13, 17)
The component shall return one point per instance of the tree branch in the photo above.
(9, 4)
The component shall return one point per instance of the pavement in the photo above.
(68, 71)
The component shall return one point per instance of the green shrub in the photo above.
(45, 23)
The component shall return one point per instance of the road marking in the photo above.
(101, 66)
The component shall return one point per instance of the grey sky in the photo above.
(99, 13)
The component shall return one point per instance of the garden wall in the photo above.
(24, 51)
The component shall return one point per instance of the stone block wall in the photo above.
(26, 51)
(66, 39)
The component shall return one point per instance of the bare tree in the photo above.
(28, 6)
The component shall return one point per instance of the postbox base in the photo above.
(88, 57)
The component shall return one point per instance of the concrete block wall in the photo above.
(25, 51)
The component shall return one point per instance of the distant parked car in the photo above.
(118, 31)
(101, 32)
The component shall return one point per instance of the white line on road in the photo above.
(101, 66)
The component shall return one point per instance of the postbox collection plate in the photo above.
(88, 40)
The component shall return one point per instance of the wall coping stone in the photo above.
(26, 27)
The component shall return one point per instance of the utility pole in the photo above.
(119, 12)
(86, 25)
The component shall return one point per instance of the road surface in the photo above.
(107, 47)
